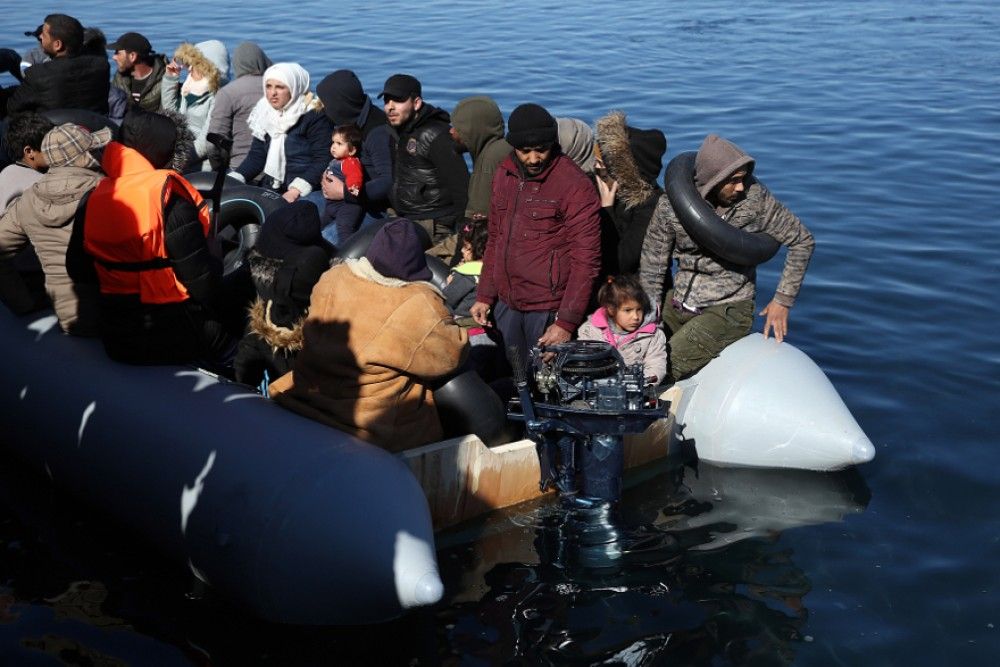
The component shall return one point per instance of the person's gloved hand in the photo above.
(10, 61)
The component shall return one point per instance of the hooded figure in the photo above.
(345, 103)
(712, 302)
(195, 100)
(235, 101)
(288, 259)
(43, 216)
(577, 142)
(634, 159)
(479, 128)
(146, 231)
(376, 336)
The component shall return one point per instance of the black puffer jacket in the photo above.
(431, 178)
(79, 82)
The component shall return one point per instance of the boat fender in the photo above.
(91, 120)
(704, 225)
(357, 243)
(242, 210)
(466, 404)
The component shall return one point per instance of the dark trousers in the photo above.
(520, 329)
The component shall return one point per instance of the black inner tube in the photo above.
(705, 227)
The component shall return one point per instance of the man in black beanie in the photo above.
(544, 243)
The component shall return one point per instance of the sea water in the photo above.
(877, 123)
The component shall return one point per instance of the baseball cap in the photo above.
(401, 86)
(132, 41)
(69, 145)
(34, 33)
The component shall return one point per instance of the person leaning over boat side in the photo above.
(144, 241)
(140, 70)
(67, 81)
(712, 301)
(291, 135)
(543, 252)
(377, 335)
(345, 103)
(630, 164)
(235, 101)
(43, 216)
(430, 179)
(208, 70)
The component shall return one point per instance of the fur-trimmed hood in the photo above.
(619, 145)
(210, 58)
(149, 133)
(281, 339)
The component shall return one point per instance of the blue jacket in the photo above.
(307, 152)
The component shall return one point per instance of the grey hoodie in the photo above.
(235, 101)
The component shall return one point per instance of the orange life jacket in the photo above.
(123, 229)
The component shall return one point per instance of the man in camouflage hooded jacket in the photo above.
(711, 304)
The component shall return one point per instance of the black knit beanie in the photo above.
(396, 251)
(288, 229)
(531, 125)
(648, 147)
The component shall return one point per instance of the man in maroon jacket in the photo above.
(544, 243)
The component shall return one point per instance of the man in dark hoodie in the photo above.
(345, 103)
(711, 304)
(431, 180)
(69, 80)
(235, 101)
(146, 228)
(477, 127)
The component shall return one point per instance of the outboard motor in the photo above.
(577, 406)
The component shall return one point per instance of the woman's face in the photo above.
(277, 94)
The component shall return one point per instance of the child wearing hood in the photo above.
(208, 69)
(285, 265)
(626, 321)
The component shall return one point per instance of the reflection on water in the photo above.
(691, 570)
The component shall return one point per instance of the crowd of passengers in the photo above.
(559, 230)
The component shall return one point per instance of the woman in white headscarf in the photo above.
(291, 135)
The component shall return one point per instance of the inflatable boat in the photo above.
(303, 524)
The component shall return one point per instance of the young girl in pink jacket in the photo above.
(626, 321)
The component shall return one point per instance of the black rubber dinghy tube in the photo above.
(466, 404)
(705, 227)
(243, 209)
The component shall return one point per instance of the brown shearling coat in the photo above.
(371, 345)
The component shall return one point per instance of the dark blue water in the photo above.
(879, 124)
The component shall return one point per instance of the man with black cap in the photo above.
(140, 70)
(146, 228)
(544, 243)
(69, 80)
(430, 177)
(378, 333)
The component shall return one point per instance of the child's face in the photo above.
(466, 252)
(628, 316)
(339, 148)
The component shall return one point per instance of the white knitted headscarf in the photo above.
(266, 121)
